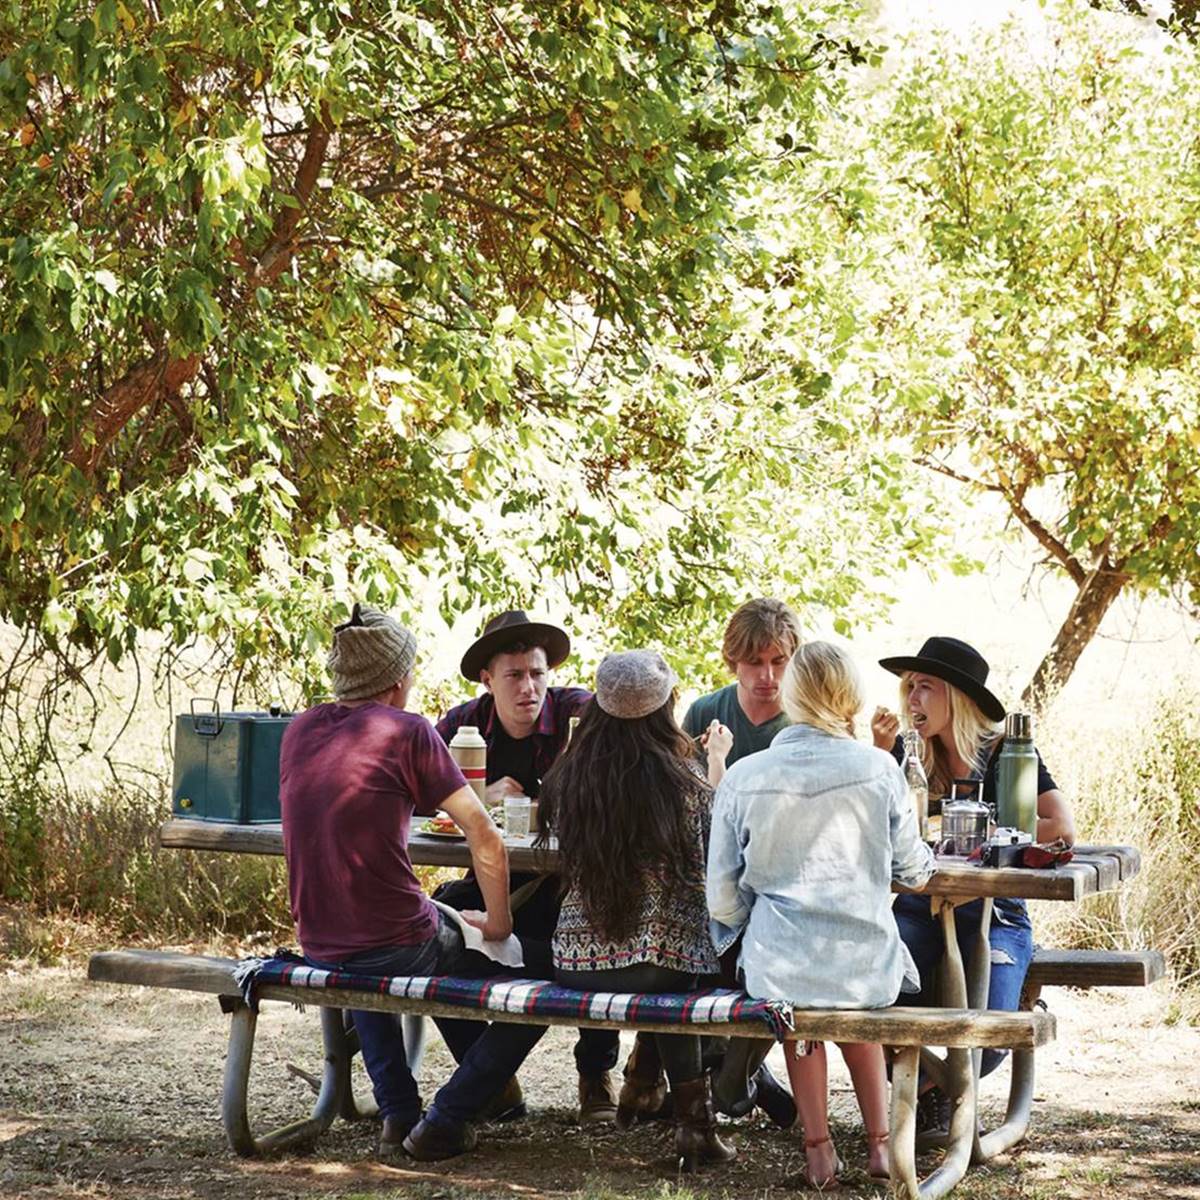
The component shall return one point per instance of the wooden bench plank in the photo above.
(952, 1028)
(1095, 968)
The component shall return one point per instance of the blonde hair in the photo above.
(972, 733)
(757, 625)
(822, 688)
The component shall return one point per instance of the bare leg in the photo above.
(809, 1077)
(867, 1073)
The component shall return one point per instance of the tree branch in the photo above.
(276, 258)
(1044, 537)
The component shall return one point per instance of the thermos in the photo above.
(469, 750)
(1017, 776)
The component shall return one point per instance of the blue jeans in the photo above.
(486, 1066)
(1010, 937)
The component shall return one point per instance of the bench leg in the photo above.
(905, 1073)
(1020, 1094)
(237, 1077)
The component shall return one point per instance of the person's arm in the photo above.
(912, 860)
(718, 742)
(729, 904)
(1055, 818)
(488, 857)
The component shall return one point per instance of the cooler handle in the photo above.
(206, 724)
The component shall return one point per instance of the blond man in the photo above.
(760, 639)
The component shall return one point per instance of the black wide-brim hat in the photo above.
(956, 663)
(506, 630)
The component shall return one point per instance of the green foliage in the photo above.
(432, 305)
(1040, 300)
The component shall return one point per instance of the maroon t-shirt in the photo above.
(350, 780)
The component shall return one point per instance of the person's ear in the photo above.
(485, 677)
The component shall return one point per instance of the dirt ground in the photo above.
(115, 1092)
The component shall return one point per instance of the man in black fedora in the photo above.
(525, 724)
(523, 720)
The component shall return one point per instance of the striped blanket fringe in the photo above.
(533, 996)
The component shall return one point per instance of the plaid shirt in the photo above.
(512, 756)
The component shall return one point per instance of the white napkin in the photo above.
(507, 953)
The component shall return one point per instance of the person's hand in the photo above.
(507, 786)
(885, 725)
(493, 931)
(717, 740)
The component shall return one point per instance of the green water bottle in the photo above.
(1017, 775)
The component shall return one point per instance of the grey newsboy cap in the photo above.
(371, 653)
(633, 683)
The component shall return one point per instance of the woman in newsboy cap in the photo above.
(631, 813)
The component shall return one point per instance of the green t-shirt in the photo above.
(723, 706)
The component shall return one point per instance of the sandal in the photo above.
(879, 1139)
(830, 1183)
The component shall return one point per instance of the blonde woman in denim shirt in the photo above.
(806, 840)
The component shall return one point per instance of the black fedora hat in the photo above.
(956, 663)
(506, 630)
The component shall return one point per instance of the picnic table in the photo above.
(1093, 870)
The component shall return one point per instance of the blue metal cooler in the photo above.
(227, 765)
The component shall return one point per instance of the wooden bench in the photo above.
(960, 1031)
(1089, 969)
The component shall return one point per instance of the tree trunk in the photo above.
(1094, 598)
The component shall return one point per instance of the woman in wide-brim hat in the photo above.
(944, 696)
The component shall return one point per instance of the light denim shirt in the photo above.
(806, 839)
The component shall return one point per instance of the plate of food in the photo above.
(442, 827)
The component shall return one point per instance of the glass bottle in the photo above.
(918, 784)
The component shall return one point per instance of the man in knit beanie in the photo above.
(370, 653)
(352, 774)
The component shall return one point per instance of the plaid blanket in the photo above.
(533, 996)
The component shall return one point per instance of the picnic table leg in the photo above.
(1020, 1092)
(237, 1077)
(905, 1074)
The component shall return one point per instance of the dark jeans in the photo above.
(1010, 938)
(680, 1052)
(596, 1050)
(489, 1062)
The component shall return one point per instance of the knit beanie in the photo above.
(371, 653)
(633, 683)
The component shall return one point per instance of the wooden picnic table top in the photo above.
(1094, 869)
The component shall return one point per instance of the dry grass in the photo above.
(1139, 788)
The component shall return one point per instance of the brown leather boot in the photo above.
(696, 1139)
(597, 1099)
(645, 1088)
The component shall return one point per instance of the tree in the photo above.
(425, 304)
(1041, 312)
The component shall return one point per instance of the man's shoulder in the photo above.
(712, 705)
(570, 699)
(470, 712)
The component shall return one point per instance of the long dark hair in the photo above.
(617, 800)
